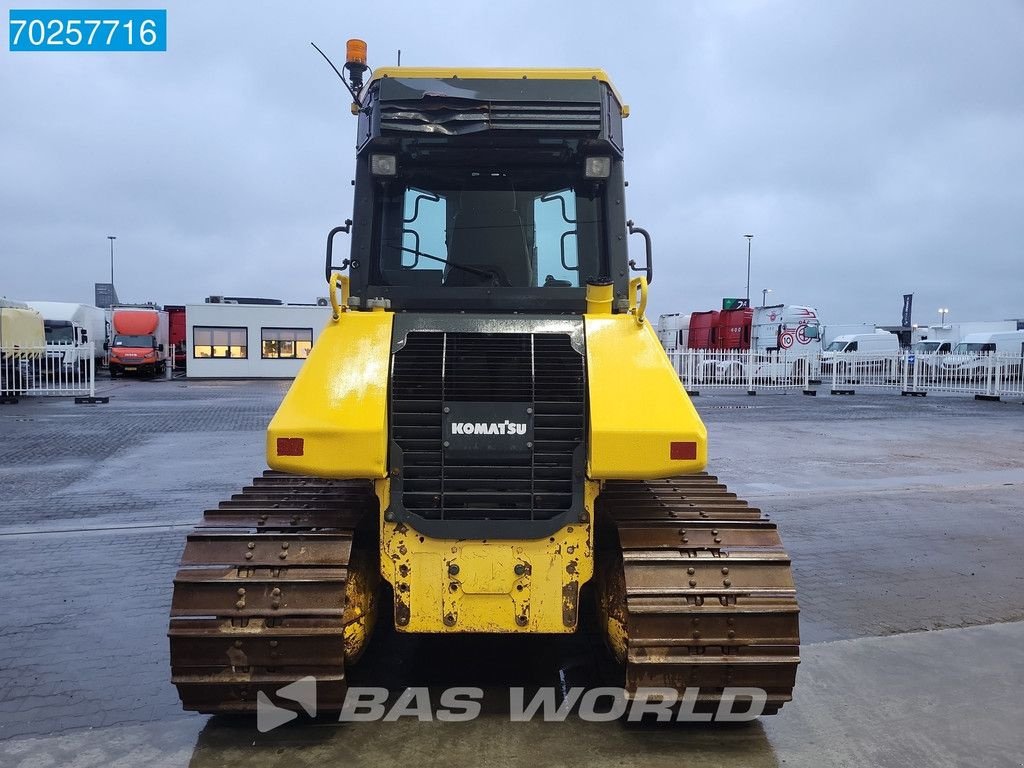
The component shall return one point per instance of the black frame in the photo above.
(263, 329)
(219, 328)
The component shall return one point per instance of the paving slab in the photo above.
(901, 515)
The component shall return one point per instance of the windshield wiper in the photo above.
(492, 275)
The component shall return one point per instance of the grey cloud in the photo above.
(872, 148)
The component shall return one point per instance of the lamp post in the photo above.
(111, 238)
(749, 239)
(764, 296)
(943, 311)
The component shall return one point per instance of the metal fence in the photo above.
(846, 372)
(987, 375)
(44, 372)
(747, 371)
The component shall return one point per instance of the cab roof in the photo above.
(498, 73)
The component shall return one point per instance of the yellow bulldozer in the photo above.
(487, 437)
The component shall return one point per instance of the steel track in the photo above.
(705, 585)
(706, 590)
(259, 598)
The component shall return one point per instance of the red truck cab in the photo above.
(703, 332)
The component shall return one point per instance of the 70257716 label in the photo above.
(87, 30)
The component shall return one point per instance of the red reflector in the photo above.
(683, 451)
(290, 446)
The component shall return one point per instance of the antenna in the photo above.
(355, 66)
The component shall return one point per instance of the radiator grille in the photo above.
(435, 368)
(453, 117)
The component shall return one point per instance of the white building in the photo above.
(242, 341)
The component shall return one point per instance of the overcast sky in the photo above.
(871, 148)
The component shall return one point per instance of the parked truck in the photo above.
(955, 332)
(22, 341)
(785, 340)
(787, 327)
(702, 332)
(139, 342)
(674, 331)
(74, 333)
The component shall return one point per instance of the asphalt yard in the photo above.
(903, 517)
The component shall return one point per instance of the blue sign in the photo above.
(87, 30)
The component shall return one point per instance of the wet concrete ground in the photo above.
(903, 517)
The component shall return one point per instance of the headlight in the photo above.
(383, 165)
(597, 167)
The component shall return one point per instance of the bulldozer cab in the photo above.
(488, 191)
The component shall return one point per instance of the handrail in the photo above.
(638, 307)
(338, 279)
(649, 266)
(346, 228)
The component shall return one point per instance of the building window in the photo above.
(287, 343)
(215, 342)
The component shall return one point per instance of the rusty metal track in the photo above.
(704, 587)
(259, 598)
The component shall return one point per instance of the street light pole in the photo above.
(943, 311)
(764, 296)
(111, 238)
(749, 239)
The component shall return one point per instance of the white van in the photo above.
(976, 353)
(855, 355)
(926, 356)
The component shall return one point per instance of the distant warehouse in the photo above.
(250, 338)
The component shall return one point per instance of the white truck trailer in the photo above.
(74, 332)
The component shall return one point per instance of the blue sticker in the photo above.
(87, 30)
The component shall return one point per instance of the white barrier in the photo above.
(745, 370)
(42, 372)
(849, 371)
(986, 376)
(1009, 378)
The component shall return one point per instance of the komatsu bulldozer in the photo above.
(487, 434)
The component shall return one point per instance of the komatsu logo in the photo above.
(488, 428)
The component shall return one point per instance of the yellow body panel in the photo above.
(500, 73)
(492, 585)
(638, 406)
(337, 404)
